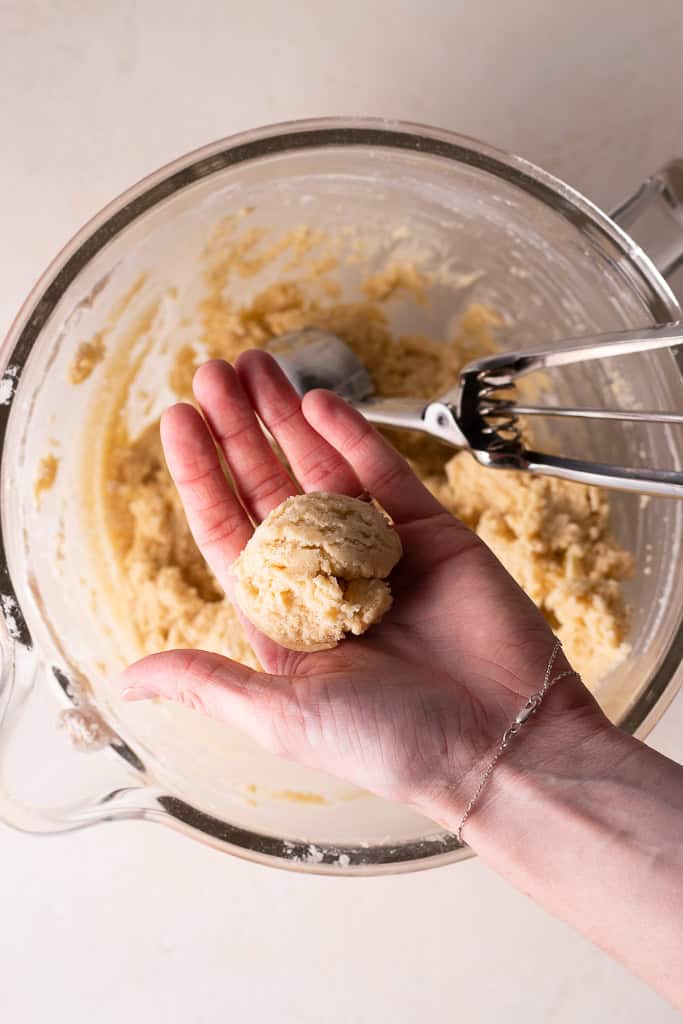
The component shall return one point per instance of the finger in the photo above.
(378, 466)
(263, 706)
(260, 478)
(317, 465)
(216, 518)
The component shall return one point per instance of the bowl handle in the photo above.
(61, 768)
(653, 217)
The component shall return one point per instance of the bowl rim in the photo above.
(277, 139)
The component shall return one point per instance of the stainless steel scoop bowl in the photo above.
(475, 417)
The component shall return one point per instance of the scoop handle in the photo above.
(406, 413)
(434, 418)
(663, 483)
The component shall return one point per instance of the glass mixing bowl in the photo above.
(499, 231)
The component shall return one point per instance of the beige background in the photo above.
(131, 922)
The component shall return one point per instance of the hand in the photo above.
(412, 709)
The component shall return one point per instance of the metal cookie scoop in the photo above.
(474, 416)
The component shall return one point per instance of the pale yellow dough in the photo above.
(315, 569)
(553, 536)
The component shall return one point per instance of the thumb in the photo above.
(263, 706)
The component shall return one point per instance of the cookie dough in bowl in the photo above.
(420, 253)
(315, 570)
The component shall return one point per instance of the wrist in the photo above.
(551, 761)
(566, 742)
(587, 821)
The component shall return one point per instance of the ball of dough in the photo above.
(315, 570)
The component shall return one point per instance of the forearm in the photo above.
(589, 823)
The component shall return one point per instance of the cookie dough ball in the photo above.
(315, 570)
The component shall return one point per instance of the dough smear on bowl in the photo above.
(315, 569)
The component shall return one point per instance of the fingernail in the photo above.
(137, 693)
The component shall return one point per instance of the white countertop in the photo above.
(132, 922)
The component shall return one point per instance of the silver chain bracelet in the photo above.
(526, 712)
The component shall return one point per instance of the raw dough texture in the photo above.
(315, 569)
(553, 536)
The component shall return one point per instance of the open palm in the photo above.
(410, 709)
